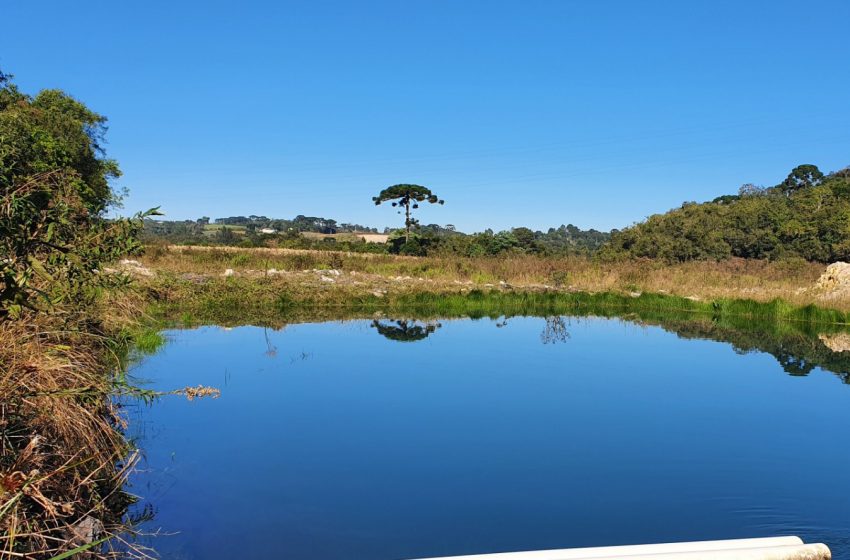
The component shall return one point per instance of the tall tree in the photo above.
(409, 197)
(802, 176)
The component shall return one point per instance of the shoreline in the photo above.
(190, 288)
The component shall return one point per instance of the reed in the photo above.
(63, 457)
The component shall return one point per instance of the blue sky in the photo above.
(533, 113)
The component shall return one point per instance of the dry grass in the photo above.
(736, 278)
(63, 457)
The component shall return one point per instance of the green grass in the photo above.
(266, 299)
(148, 341)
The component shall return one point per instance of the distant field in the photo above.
(369, 237)
(211, 229)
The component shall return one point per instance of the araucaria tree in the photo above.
(409, 197)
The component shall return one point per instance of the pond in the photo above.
(382, 439)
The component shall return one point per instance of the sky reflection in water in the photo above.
(393, 439)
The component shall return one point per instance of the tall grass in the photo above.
(63, 457)
(732, 279)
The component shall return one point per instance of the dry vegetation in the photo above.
(63, 457)
(792, 281)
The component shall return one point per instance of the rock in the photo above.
(635, 294)
(85, 531)
(835, 278)
(839, 342)
(327, 279)
(134, 268)
(228, 272)
(194, 278)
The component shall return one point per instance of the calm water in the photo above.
(343, 440)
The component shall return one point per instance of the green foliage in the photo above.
(54, 189)
(565, 240)
(225, 236)
(806, 216)
(801, 177)
(53, 131)
(409, 197)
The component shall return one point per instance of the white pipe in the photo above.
(790, 552)
(632, 550)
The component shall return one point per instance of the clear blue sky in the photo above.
(531, 113)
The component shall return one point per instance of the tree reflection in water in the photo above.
(799, 348)
(405, 330)
(555, 330)
(271, 349)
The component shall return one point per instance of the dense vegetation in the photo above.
(63, 336)
(806, 216)
(54, 191)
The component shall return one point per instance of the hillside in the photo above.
(806, 216)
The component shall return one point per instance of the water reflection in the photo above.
(555, 330)
(405, 330)
(799, 349)
(536, 432)
(271, 349)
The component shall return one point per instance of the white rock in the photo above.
(835, 278)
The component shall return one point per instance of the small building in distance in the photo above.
(268, 231)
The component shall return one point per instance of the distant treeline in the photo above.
(563, 240)
(298, 223)
(260, 231)
(805, 216)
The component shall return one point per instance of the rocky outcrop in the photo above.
(836, 278)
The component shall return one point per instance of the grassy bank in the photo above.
(63, 456)
(273, 299)
(762, 281)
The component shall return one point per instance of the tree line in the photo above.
(805, 216)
